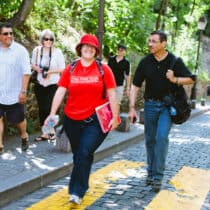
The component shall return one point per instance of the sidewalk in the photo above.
(24, 172)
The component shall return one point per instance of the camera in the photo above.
(44, 71)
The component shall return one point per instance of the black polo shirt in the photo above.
(119, 69)
(154, 74)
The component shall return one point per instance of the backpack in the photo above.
(179, 101)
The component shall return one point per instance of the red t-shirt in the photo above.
(85, 89)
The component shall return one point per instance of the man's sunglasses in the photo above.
(7, 33)
(48, 39)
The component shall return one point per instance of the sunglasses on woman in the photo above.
(48, 39)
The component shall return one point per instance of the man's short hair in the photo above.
(162, 35)
(121, 46)
(5, 25)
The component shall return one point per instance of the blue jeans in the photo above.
(85, 137)
(157, 122)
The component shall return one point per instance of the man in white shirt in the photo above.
(14, 76)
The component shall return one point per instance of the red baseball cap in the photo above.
(88, 39)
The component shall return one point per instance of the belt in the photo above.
(90, 119)
(153, 100)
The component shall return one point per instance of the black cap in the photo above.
(121, 46)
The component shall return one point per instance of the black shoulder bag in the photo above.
(179, 101)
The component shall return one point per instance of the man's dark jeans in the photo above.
(157, 122)
(85, 138)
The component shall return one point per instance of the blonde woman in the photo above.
(48, 62)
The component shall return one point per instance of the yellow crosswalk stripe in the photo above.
(191, 188)
(99, 184)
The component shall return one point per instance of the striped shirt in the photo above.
(14, 64)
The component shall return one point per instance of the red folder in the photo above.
(104, 115)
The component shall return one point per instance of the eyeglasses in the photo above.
(48, 39)
(7, 33)
(153, 41)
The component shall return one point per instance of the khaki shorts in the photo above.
(119, 91)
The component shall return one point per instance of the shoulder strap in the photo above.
(101, 70)
(41, 56)
(173, 62)
(72, 66)
(172, 86)
(100, 67)
(37, 51)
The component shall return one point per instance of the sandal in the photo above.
(52, 137)
(41, 138)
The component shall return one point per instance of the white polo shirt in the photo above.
(14, 64)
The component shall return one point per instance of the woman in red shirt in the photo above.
(85, 86)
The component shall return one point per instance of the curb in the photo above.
(195, 114)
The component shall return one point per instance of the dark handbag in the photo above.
(181, 104)
(33, 77)
(179, 101)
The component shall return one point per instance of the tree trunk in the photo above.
(176, 24)
(23, 12)
(162, 11)
(193, 7)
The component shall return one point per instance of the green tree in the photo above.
(16, 12)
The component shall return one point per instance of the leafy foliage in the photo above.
(125, 21)
(9, 8)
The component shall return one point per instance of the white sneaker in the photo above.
(75, 199)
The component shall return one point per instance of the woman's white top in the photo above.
(57, 62)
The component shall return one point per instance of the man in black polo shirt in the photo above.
(121, 70)
(154, 70)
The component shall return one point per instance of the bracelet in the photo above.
(177, 81)
(132, 107)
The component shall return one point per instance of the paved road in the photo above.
(188, 168)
